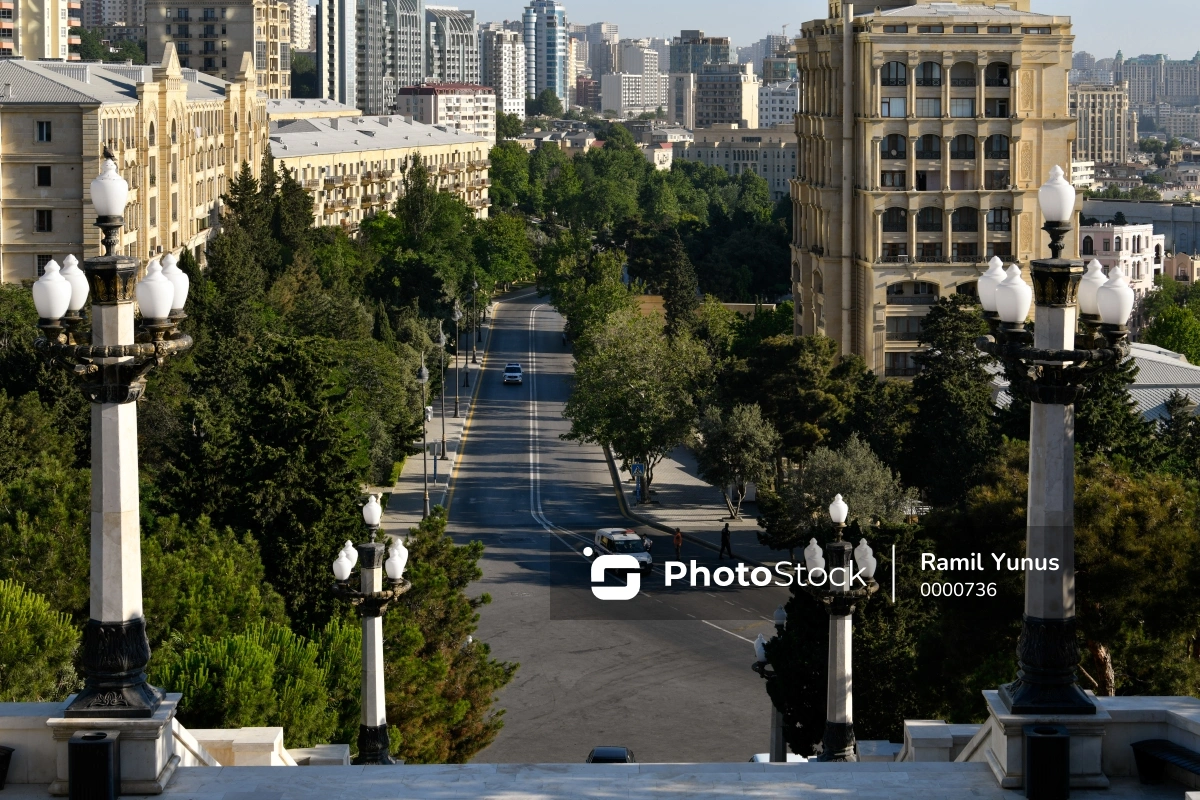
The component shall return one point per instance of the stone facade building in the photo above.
(769, 153)
(179, 137)
(727, 94)
(924, 131)
(1107, 128)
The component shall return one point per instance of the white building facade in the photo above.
(469, 108)
(778, 103)
(502, 67)
(1137, 248)
(451, 45)
(628, 93)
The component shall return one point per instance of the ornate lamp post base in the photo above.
(115, 655)
(838, 743)
(374, 745)
(1049, 687)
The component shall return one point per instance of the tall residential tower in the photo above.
(545, 31)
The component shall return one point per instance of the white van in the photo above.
(625, 541)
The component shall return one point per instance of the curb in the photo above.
(627, 512)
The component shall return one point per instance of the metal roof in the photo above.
(50, 82)
(303, 137)
(968, 11)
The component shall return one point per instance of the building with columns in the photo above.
(1137, 248)
(769, 152)
(924, 133)
(179, 137)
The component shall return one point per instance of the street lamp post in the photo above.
(423, 379)
(839, 595)
(110, 360)
(1050, 366)
(778, 746)
(442, 371)
(372, 600)
(457, 344)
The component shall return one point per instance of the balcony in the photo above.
(911, 299)
(996, 180)
(209, 36)
(893, 82)
(75, 22)
(334, 180)
(73, 40)
(965, 226)
(1000, 155)
(963, 82)
(899, 372)
(929, 155)
(312, 184)
(181, 35)
(995, 82)
(73, 5)
(929, 81)
(962, 155)
(384, 174)
(929, 227)
(903, 336)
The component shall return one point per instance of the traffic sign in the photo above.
(637, 470)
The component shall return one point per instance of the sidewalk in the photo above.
(680, 498)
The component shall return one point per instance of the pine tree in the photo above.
(37, 647)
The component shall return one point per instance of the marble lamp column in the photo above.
(373, 741)
(838, 743)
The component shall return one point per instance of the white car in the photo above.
(625, 541)
(513, 373)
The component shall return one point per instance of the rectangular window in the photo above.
(966, 29)
(892, 107)
(895, 28)
(965, 251)
(182, 13)
(999, 28)
(42, 261)
(43, 176)
(996, 108)
(930, 29)
(903, 329)
(43, 131)
(962, 107)
(929, 107)
(260, 55)
(1036, 31)
(929, 251)
(1107, 245)
(893, 180)
(899, 365)
(1002, 249)
(43, 220)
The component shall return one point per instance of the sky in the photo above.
(1101, 26)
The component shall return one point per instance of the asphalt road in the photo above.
(666, 673)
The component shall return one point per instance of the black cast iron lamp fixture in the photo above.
(423, 379)
(109, 355)
(839, 587)
(372, 599)
(1079, 335)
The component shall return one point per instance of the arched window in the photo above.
(150, 135)
(894, 73)
(962, 74)
(963, 146)
(895, 220)
(996, 74)
(929, 219)
(174, 137)
(1087, 248)
(965, 220)
(996, 146)
(929, 73)
(929, 146)
(893, 146)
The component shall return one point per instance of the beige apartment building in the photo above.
(40, 29)
(925, 130)
(726, 94)
(1107, 129)
(769, 153)
(178, 136)
(466, 107)
(211, 38)
(353, 166)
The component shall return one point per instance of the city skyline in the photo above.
(1100, 26)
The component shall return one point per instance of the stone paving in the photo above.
(611, 782)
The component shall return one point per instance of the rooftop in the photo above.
(43, 82)
(300, 137)
(298, 105)
(967, 11)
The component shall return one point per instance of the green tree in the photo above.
(441, 686)
(503, 248)
(635, 388)
(735, 449)
(509, 126)
(509, 174)
(1107, 420)
(37, 647)
(546, 104)
(955, 431)
(305, 82)
(1176, 329)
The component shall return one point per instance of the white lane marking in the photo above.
(731, 633)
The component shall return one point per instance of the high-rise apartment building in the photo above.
(179, 137)
(1083, 60)
(451, 45)
(1106, 132)
(1155, 79)
(663, 48)
(630, 94)
(637, 57)
(301, 32)
(692, 49)
(545, 33)
(371, 89)
(681, 99)
(337, 65)
(404, 59)
(212, 38)
(727, 94)
(40, 30)
(780, 66)
(925, 131)
(587, 92)
(502, 67)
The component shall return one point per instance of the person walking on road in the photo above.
(677, 540)
(725, 545)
